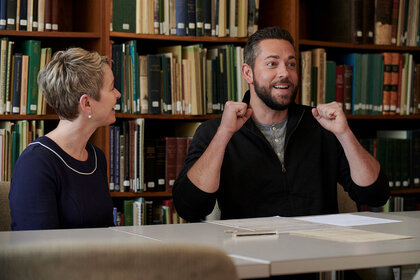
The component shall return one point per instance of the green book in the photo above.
(128, 212)
(330, 81)
(32, 48)
(124, 16)
(363, 101)
(15, 149)
(376, 82)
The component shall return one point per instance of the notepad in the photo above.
(350, 235)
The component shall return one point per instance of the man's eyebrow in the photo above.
(272, 56)
(278, 57)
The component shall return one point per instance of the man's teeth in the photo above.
(281, 86)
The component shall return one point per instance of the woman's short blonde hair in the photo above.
(69, 75)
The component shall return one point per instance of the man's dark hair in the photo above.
(251, 50)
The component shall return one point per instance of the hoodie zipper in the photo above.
(283, 167)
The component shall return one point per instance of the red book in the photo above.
(170, 162)
(180, 153)
(386, 96)
(339, 85)
(416, 90)
(394, 28)
(348, 82)
(47, 16)
(395, 60)
(54, 15)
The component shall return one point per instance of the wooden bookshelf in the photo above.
(86, 23)
(293, 19)
(142, 194)
(174, 38)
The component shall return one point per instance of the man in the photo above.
(269, 156)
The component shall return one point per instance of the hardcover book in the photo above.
(343, 20)
(124, 16)
(154, 68)
(383, 22)
(170, 162)
(11, 14)
(23, 15)
(181, 17)
(32, 48)
(3, 14)
(17, 80)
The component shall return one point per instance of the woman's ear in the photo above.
(85, 105)
(247, 73)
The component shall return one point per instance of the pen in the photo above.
(254, 233)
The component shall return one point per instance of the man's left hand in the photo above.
(331, 117)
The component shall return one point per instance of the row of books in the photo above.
(384, 83)
(140, 164)
(14, 138)
(137, 212)
(396, 204)
(398, 152)
(382, 22)
(190, 80)
(19, 67)
(29, 15)
(221, 18)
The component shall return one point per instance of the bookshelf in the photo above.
(362, 125)
(86, 23)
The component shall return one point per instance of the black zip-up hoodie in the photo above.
(254, 183)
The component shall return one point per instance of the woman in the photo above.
(60, 180)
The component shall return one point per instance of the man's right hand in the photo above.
(234, 116)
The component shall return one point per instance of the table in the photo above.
(262, 256)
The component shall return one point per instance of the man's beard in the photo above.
(264, 94)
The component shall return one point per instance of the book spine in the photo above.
(47, 15)
(383, 22)
(3, 14)
(32, 48)
(11, 14)
(395, 59)
(23, 15)
(124, 16)
(160, 163)
(116, 69)
(347, 89)
(3, 74)
(154, 69)
(166, 75)
(199, 14)
(386, 97)
(9, 74)
(17, 77)
(207, 14)
(41, 11)
(368, 21)
(181, 29)
(339, 85)
(111, 157)
(191, 18)
(34, 9)
(117, 159)
(170, 162)
(54, 15)
(150, 164)
(144, 99)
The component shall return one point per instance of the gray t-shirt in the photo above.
(275, 134)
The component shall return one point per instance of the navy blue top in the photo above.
(52, 190)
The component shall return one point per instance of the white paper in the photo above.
(346, 220)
